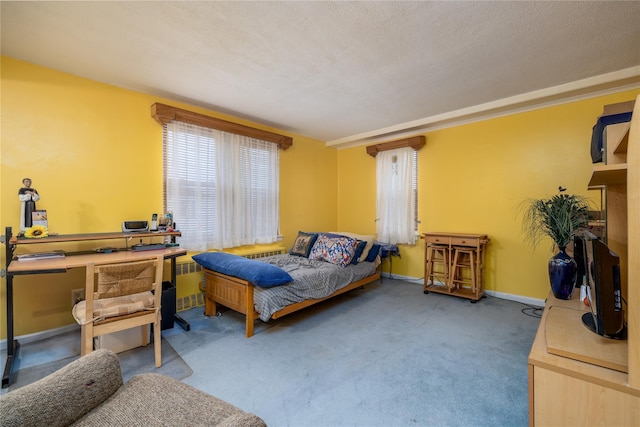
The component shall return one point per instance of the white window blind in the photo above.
(222, 188)
(396, 201)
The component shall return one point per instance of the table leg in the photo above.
(12, 345)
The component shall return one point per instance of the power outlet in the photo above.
(77, 295)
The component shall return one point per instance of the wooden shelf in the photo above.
(596, 223)
(91, 236)
(618, 138)
(614, 174)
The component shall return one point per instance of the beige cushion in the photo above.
(112, 307)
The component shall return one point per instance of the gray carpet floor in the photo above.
(383, 355)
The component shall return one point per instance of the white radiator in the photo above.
(262, 254)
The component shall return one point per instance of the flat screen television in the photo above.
(606, 317)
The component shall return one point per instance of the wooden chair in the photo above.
(127, 296)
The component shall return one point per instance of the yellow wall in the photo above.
(94, 154)
(472, 178)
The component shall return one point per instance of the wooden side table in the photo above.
(454, 264)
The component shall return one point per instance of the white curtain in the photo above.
(222, 188)
(395, 202)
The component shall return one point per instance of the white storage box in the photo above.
(122, 340)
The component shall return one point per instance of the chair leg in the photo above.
(144, 330)
(157, 337)
(429, 266)
(474, 275)
(454, 270)
(82, 340)
(86, 339)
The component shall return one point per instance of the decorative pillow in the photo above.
(373, 253)
(336, 250)
(303, 244)
(257, 272)
(369, 239)
(358, 253)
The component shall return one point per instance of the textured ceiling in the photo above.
(340, 72)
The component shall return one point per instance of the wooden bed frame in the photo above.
(237, 294)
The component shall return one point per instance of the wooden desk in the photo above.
(475, 243)
(61, 265)
(72, 260)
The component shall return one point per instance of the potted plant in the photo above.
(559, 217)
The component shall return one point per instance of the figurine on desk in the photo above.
(28, 196)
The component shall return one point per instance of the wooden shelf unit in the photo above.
(575, 376)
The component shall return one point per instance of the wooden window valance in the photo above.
(163, 114)
(415, 142)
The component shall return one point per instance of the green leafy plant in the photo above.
(558, 217)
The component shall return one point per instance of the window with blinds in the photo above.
(396, 205)
(222, 188)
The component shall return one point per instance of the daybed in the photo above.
(318, 267)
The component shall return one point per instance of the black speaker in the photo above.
(168, 302)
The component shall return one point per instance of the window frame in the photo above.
(164, 114)
(415, 142)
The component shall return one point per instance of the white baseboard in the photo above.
(518, 298)
(38, 336)
(415, 280)
(536, 302)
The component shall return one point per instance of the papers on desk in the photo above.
(41, 255)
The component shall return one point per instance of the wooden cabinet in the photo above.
(454, 264)
(575, 376)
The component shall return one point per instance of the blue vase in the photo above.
(562, 274)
